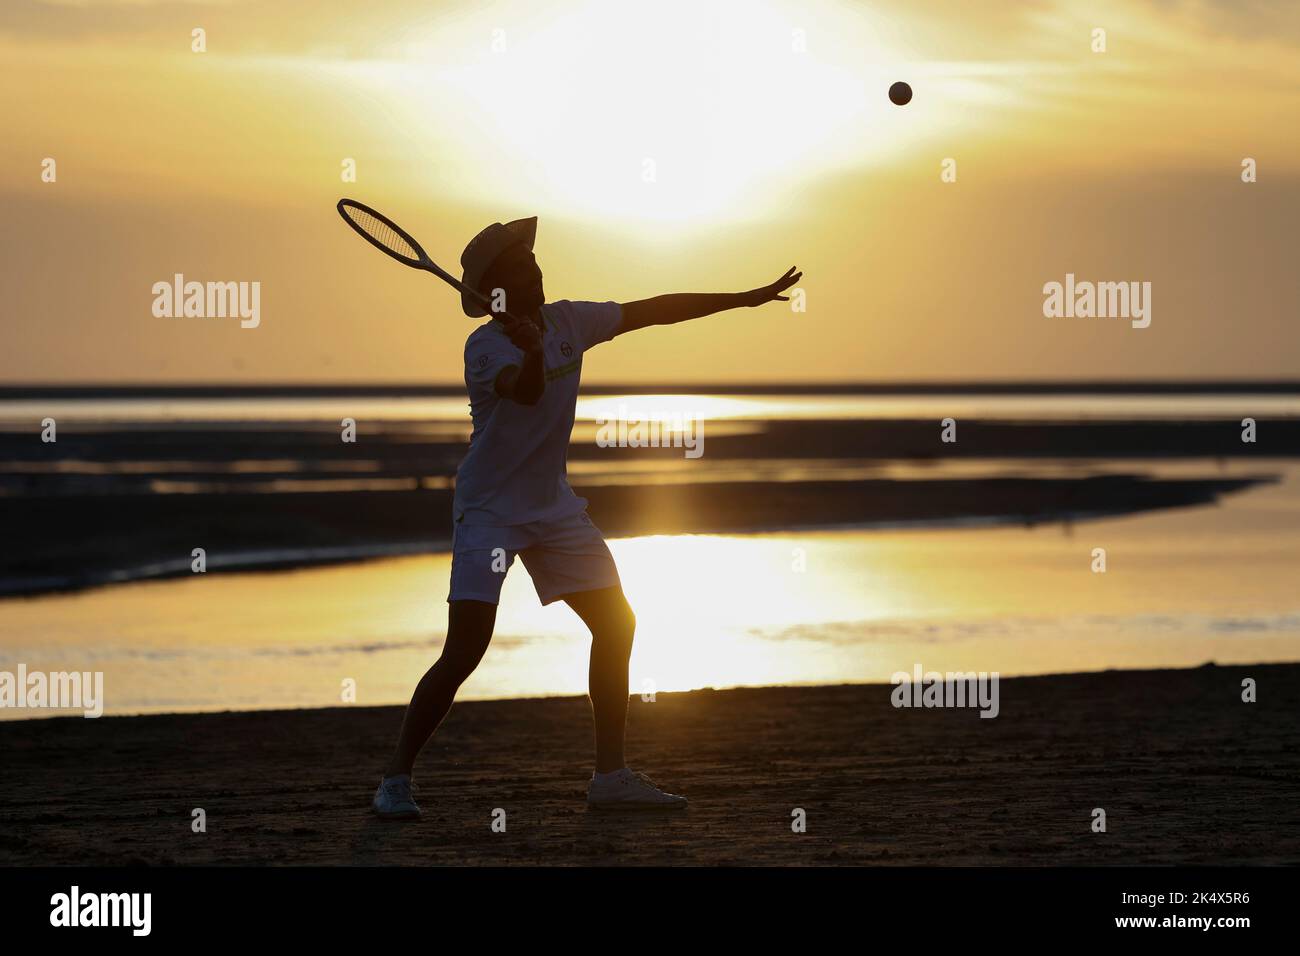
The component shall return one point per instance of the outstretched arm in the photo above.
(678, 307)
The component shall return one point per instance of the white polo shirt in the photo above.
(516, 468)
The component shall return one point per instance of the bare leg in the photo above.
(469, 631)
(612, 624)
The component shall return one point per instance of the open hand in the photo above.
(772, 293)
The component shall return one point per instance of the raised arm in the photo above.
(680, 306)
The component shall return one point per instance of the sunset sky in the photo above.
(773, 143)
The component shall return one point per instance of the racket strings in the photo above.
(382, 233)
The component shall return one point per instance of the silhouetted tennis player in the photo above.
(513, 498)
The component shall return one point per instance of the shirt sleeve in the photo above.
(485, 356)
(595, 322)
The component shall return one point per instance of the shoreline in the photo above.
(307, 711)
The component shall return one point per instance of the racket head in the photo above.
(382, 233)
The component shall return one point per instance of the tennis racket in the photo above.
(387, 236)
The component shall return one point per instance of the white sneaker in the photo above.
(393, 799)
(629, 790)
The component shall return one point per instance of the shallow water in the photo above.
(1181, 588)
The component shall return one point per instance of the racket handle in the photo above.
(503, 314)
(460, 287)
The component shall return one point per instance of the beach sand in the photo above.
(1186, 772)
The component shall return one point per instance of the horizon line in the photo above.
(405, 389)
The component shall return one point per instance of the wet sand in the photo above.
(1187, 774)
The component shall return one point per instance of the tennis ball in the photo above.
(900, 94)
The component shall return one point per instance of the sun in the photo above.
(675, 112)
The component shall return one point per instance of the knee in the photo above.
(622, 628)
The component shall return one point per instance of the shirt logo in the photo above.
(482, 362)
(566, 349)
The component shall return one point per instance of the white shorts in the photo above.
(562, 557)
